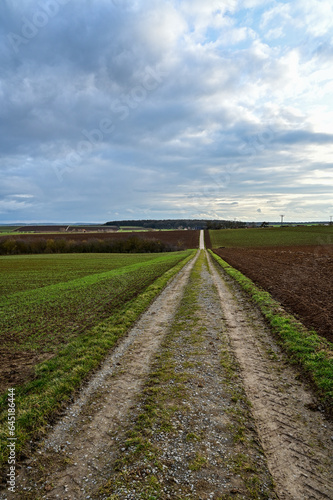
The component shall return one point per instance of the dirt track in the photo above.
(79, 456)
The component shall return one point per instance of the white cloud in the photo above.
(316, 16)
(274, 33)
(160, 28)
(24, 196)
(11, 205)
(317, 177)
(280, 14)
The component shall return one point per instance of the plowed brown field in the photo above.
(299, 277)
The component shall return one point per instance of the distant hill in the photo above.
(177, 224)
(53, 228)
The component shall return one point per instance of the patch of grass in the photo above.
(57, 379)
(312, 353)
(198, 462)
(20, 273)
(240, 410)
(192, 436)
(241, 462)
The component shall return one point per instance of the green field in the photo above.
(275, 236)
(71, 309)
(28, 272)
(47, 300)
(4, 230)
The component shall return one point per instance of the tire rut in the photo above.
(72, 461)
(297, 441)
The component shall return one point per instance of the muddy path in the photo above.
(227, 335)
(202, 386)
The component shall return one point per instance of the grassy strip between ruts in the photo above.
(311, 352)
(57, 379)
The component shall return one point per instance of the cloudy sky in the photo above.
(115, 109)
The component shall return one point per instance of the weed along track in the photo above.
(197, 401)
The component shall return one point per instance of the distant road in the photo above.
(201, 240)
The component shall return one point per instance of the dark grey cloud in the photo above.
(305, 137)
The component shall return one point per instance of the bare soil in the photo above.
(299, 277)
(19, 367)
(217, 445)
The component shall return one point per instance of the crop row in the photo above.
(27, 272)
(47, 317)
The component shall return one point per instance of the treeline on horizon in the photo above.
(17, 246)
(178, 224)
